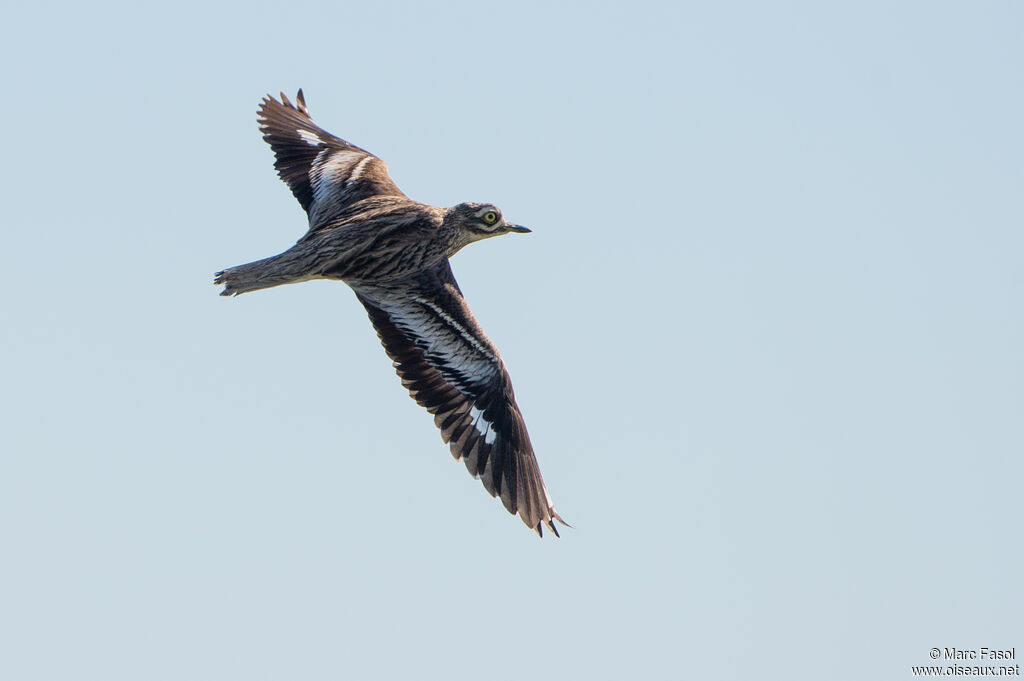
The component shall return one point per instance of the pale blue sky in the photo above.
(767, 335)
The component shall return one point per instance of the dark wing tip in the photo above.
(300, 102)
(296, 141)
(539, 529)
(271, 108)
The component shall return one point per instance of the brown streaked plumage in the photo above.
(394, 253)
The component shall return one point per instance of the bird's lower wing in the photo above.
(452, 369)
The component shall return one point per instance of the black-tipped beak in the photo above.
(518, 228)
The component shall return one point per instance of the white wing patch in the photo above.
(451, 348)
(482, 425)
(358, 171)
(469, 338)
(309, 138)
(332, 167)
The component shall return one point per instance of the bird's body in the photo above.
(389, 238)
(394, 252)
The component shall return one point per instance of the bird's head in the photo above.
(476, 221)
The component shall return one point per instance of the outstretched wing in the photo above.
(325, 173)
(450, 367)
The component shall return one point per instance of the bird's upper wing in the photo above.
(450, 367)
(326, 173)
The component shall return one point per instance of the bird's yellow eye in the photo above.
(490, 217)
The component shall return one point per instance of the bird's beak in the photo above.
(518, 228)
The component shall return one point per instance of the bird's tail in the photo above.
(272, 271)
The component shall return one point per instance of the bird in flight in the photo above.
(393, 252)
